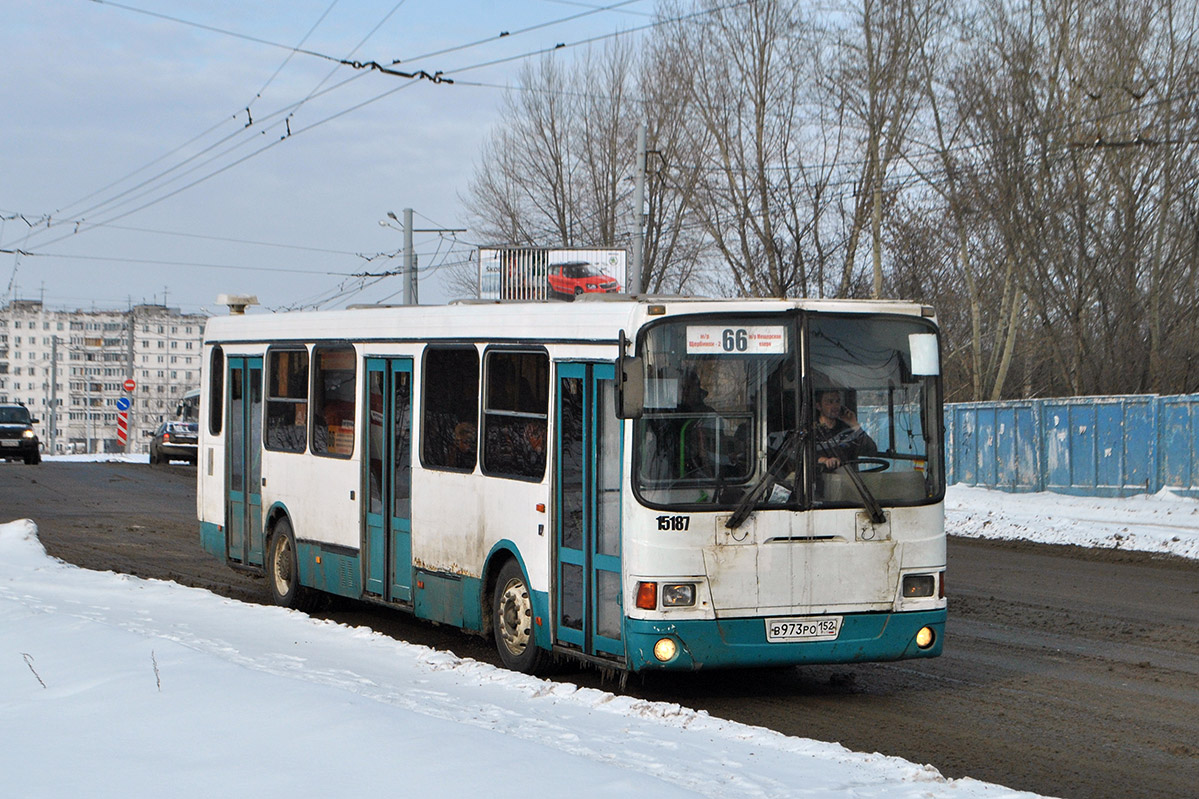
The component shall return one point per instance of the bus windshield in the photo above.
(798, 411)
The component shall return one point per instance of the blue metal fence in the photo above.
(1093, 446)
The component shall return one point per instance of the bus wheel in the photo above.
(512, 620)
(282, 570)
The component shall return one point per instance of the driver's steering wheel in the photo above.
(879, 464)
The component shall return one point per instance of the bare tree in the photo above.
(558, 169)
(878, 83)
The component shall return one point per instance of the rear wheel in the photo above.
(283, 572)
(512, 621)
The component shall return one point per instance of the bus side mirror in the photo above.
(630, 389)
(630, 384)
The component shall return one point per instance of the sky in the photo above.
(112, 685)
(171, 156)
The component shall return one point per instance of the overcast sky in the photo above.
(147, 158)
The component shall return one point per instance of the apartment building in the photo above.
(69, 368)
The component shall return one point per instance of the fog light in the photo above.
(678, 595)
(925, 637)
(665, 649)
(918, 585)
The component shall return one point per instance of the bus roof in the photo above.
(597, 318)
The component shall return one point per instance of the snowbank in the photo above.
(1162, 522)
(115, 686)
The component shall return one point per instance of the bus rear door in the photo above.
(244, 445)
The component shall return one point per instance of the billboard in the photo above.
(533, 273)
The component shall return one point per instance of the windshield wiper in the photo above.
(871, 505)
(788, 453)
(835, 445)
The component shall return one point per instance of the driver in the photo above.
(838, 436)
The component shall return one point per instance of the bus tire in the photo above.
(512, 621)
(283, 571)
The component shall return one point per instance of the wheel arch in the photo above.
(271, 517)
(501, 553)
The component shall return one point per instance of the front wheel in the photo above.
(283, 573)
(512, 621)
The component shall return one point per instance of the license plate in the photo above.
(803, 628)
(10, 442)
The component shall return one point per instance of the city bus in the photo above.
(640, 483)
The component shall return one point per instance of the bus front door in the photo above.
(244, 533)
(587, 516)
(387, 536)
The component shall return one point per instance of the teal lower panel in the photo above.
(458, 600)
(448, 599)
(724, 643)
(212, 539)
(331, 572)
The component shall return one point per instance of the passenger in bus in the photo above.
(838, 435)
(534, 448)
(462, 447)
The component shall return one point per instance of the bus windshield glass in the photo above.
(729, 423)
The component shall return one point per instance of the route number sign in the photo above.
(748, 340)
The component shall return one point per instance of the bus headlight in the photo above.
(918, 585)
(665, 649)
(678, 595)
(925, 637)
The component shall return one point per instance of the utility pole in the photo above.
(52, 430)
(411, 285)
(409, 258)
(634, 280)
(132, 417)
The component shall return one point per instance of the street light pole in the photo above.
(409, 266)
(410, 286)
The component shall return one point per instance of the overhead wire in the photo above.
(292, 107)
(357, 106)
(224, 120)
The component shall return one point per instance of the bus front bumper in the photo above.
(727, 643)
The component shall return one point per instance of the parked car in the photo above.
(174, 441)
(579, 277)
(17, 439)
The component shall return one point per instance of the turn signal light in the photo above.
(647, 596)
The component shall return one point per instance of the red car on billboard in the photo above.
(580, 277)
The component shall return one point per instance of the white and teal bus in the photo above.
(645, 483)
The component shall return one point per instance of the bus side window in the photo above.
(216, 396)
(333, 394)
(286, 400)
(450, 402)
(515, 414)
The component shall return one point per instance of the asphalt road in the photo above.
(1067, 672)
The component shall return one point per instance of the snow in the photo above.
(112, 685)
(1162, 523)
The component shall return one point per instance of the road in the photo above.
(1067, 672)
